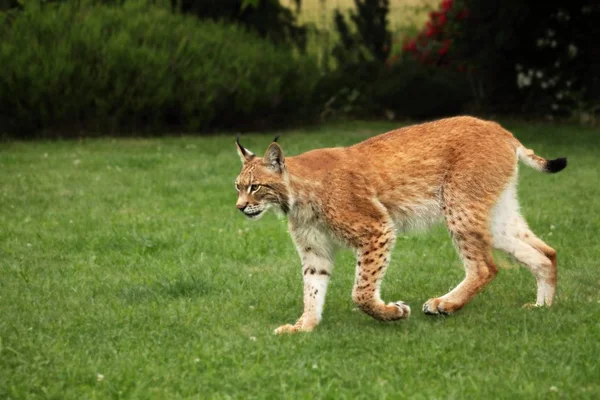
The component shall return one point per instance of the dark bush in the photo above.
(368, 81)
(413, 90)
(519, 55)
(134, 67)
(405, 89)
(369, 39)
(266, 17)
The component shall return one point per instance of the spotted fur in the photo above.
(460, 170)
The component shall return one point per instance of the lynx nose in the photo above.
(241, 206)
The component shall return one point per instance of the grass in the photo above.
(127, 272)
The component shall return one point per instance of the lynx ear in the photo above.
(245, 154)
(274, 158)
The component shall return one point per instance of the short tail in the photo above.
(541, 164)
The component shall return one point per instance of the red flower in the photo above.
(411, 45)
(447, 4)
(442, 18)
(463, 14)
(431, 31)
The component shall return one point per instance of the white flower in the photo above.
(572, 50)
(544, 85)
(99, 377)
(559, 95)
(253, 338)
(523, 80)
(196, 360)
(554, 107)
(539, 74)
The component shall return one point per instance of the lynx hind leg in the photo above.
(373, 258)
(469, 193)
(468, 227)
(513, 236)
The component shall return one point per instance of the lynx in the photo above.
(460, 170)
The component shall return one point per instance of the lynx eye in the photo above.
(254, 188)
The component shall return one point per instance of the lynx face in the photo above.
(262, 183)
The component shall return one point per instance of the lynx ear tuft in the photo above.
(245, 154)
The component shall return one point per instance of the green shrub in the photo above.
(369, 39)
(405, 89)
(369, 82)
(520, 55)
(268, 18)
(140, 67)
(413, 90)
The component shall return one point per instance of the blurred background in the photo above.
(83, 67)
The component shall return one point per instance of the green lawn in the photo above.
(127, 272)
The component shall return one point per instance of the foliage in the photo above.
(404, 89)
(369, 39)
(139, 67)
(127, 272)
(421, 91)
(432, 44)
(369, 81)
(267, 17)
(535, 57)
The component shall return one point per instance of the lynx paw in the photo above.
(288, 328)
(531, 306)
(439, 306)
(403, 309)
(285, 329)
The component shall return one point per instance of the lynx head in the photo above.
(263, 182)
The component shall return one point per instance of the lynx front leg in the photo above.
(372, 261)
(316, 271)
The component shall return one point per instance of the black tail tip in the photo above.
(556, 165)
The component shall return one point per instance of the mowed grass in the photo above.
(127, 272)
